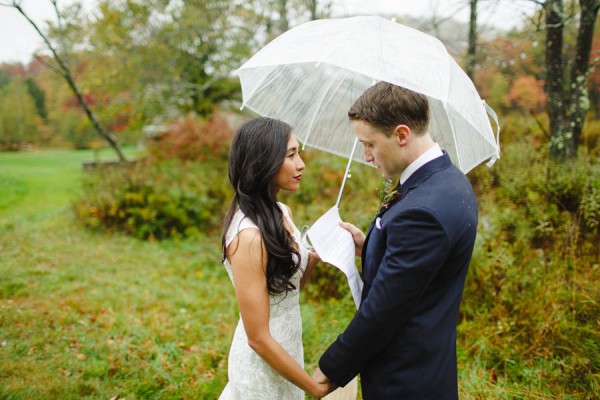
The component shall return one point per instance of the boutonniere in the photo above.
(387, 195)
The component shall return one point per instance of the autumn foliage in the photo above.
(192, 139)
(527, 93)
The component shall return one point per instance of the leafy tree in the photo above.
(5, 78)
(62, 66)
(594, 79)
(18, 123)
(528, 94)
(39, 97)
(167, 58)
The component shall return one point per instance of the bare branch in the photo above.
(47, 64)
(63, 70)
(540, 125)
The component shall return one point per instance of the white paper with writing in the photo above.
(335, 246)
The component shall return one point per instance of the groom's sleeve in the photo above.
(416, 247)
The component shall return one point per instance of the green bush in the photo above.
(528, 302)
(155, 201)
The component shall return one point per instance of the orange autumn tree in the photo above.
(527, 92)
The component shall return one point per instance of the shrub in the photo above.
(192, 139)
(155, 201)
(527, 303)
(591, 137)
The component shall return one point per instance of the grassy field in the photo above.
(93, 315)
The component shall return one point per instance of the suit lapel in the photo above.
(418, 177)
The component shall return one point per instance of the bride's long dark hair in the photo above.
(258, 150)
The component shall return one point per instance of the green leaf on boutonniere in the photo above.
(387, 194)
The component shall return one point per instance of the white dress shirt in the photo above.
(431, 154)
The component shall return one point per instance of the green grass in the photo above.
(92, 315)
(88, 315)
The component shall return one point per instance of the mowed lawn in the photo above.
(99, 315)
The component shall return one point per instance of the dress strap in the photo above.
(238, 224)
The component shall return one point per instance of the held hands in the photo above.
(324, 386)
(357, 235)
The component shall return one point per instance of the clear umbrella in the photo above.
(311, 75)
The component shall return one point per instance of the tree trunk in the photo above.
(579, 103)
(471, 52)
(554, 14)
(284, 25)
(567, 104)
(312, 6)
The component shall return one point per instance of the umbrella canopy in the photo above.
(311, 75)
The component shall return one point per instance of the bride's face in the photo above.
(290, 173)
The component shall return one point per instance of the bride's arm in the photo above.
(248, 258)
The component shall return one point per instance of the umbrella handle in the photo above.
(339, 199)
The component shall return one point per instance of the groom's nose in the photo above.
(367, 156)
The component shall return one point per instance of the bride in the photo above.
(267, 266)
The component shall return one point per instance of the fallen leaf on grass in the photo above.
(81, 356)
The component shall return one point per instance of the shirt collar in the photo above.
(431, 154)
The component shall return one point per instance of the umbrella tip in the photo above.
(242, 107)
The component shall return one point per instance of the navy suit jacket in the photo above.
(402, 339)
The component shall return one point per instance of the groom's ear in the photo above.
(402, 134)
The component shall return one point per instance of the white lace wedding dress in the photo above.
(250, 377)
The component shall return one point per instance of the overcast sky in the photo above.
(18, 40)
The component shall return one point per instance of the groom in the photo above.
(415, 257)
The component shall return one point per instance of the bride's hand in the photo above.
(322, 389)
(324, 385)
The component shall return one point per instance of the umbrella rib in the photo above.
(324, 95)
(453, 130)
(262, 86)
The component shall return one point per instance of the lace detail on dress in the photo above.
(250, 377)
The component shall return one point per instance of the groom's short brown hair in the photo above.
(386, 106)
